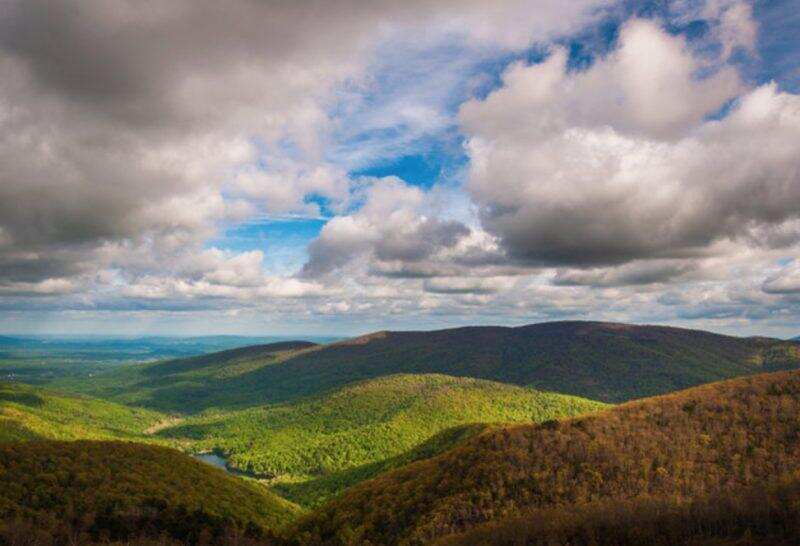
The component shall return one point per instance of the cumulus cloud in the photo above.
(391, 226)
(133, 122)
(462, 285)
(47, 287)
(732, 24)
(620, 162)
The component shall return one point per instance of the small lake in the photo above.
(221, 462)
(212, 459)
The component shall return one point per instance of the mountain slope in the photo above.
(320, 442)
(188, 385)
(28, 413)
(714, 440)
(743, 516)
(118, 491)
(600, 361)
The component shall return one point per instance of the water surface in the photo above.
(213, 459)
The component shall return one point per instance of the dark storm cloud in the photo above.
(118, 119)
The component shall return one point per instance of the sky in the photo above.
(335, 167)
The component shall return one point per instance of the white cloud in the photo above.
(393, 225)
(617, 163)
(731, 21)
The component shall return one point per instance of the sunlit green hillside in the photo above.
(323, 442)
(28, 412)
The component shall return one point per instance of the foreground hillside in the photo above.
(712, 442)
(316, 446)
(28, 413)
(600, 361)
(74, 492)
(742, 516)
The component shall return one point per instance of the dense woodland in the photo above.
(711, 440)
(307, 450)
(112, 491)
(766, 515)
(28, 413)
(313, 448)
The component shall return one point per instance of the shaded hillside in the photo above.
(748, 516)
(324, 439)
(227, 363)
(709, 441)
(28, 413)
(600, 361)
(189, 384)
(74, 492)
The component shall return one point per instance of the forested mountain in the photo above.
(600, 361)
(713, 465)
(314, 447)
(77, 492)
(737, 441)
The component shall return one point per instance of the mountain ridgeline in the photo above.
(600, 361)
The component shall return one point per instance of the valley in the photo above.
(424, 427)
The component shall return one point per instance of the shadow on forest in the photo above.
(24, 398)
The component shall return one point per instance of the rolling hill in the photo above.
(314, 447)
(28, 413)
(600, 361)
(652, 458)
(308, 449)
(76, 492)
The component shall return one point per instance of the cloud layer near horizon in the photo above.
(654, 181)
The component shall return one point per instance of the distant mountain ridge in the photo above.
(609, 362)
